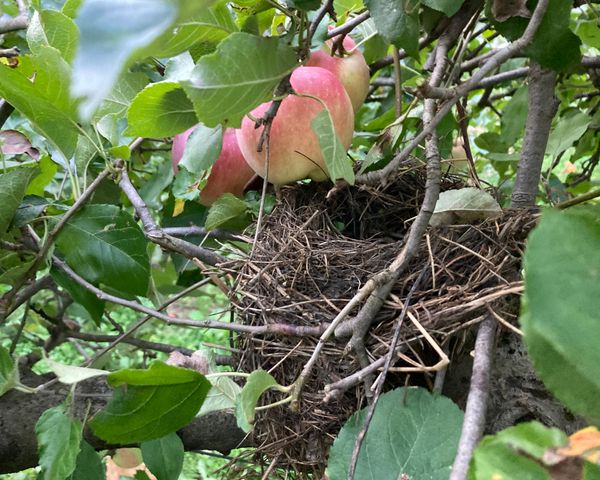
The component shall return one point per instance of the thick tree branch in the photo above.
(19, 412)
(474, 420)
(381, 176)
(541, 110)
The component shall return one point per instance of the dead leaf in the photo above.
(584, 443)
(15, 143)
(197, 361)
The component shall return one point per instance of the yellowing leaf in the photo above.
(584, 443)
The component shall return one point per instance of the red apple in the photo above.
(352, 69)
(230, 172)
(294, 147)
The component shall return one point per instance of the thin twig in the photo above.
(195, 231)
(283, 329)
(156, 346)
(326, 8)
(381, 380)
(10, 52)
(474, 421)
(578, 200)
(157, 235)
(349, 25)
(11, 24)
(51, 237)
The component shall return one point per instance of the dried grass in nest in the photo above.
(304, 271)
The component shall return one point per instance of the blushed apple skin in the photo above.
(230, 172)
(352, 70)
(295, 152)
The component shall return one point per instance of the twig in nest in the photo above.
(381, 380)
(474, 420)
(335, 389)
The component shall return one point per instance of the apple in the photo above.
(230, 172)
(352, 69)
(294, 151)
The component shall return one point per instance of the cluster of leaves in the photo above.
(95, 76)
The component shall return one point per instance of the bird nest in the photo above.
(314, 253)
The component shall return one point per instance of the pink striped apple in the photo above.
(230, 172)
(294, 147)
(352, 70)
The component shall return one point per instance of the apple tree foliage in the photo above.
(98, 86)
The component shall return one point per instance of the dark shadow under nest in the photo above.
(314, 253)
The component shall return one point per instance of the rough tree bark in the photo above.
(541, 110)
(19, 413)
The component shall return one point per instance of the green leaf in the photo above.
(554, 45)
(156, 184)
(591, 471)
(152, 403)
(13, 265)
(13, 185)
(164, 456)
(47, 171)
(93, 305)
(106, 246)
(202, 148)
(257, 383)
(160, 110)
(185, 186)
(211, 24)
(337, 162)
(511, 453)
(227, 207)
(54, 29)
(306, 5)
(568, 130)
(589, 32)
(120, 97)
(223, 395)
(53, 76)
(58, 438)
(53, 123)
(70, 374)
(179, 68)
(492, 142)
(9, 372)
(560, 318)
(89, 465)
(71, 7)
(465, 205)
(514, 117)
(113, 32)
(240, 75)
(448, 7)
(415, 432)
(398, 21)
